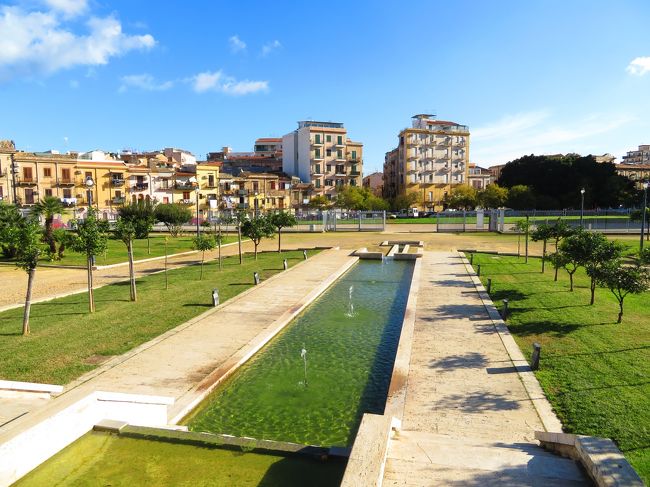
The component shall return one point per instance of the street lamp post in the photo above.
(582, 206)
(645, 204)
(197, 211)
(89, 182)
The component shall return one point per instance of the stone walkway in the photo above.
(188, 359)
(468, 419)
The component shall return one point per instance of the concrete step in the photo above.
(439, 459)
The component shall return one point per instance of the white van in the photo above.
(408, 213)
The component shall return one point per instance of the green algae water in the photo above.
(349, 337)
(99, 459)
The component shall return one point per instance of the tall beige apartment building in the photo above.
(320, 153)
(431, 159)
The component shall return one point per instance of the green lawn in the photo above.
(595, 373)
(458, 218)
(116, 250)
(64, 335)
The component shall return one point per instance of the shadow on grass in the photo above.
(509, 294)
(548, 327)
(198, 305)
(11, 334)
(470, 360)
(584, 354)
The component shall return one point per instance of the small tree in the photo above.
(559, 231)
(644, 256)
(203, 242)
(623, 280)
(237, 219)
(597, 252)
(174, 216)
(280, 220)
(10, 220)
(493, 196)
(258, 228)
(319, 202)
(29, 250)
(461, 197)
(542, 232)
(142, 215)
(522, 226)
(577, 250)
(48, 208)
(62, 237)
(125, 231)
(90, 239)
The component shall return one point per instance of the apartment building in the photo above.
(374, 182)
(479, 177)
(432, 157)
(258, 161)
(321, 154)
(637, 172)
(639, 156)
(268, 147)
(109, 182)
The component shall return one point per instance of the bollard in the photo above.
(215, 297)
(471, 259)
(505, 309)
(489, 285)
(478, 270)
(256, 278)
(537, 350)
(304, 254)
(285, 265)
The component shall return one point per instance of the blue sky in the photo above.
(535, 76)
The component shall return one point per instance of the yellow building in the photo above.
(207, 177)
(639, 173)
(27, 177)
(431, 159)
(109, 177)
(261, 192)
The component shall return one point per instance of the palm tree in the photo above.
(48, 207)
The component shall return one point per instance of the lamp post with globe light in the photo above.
(582, 206)
(645, 204)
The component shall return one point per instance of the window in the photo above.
(65, 174)
(186, 195)
(48, 192)
(67, 193)
(272, 185)
(328, 153)
(318, 138)
(316, 153)
(47, 172)
(328, 138)
(354, 155)
(165, 200)
(256, 186)
(430, 195)
(329, 182)
(89, 174)
(1, 193)
(328, 168)
(211, 180)
(317, 183)
(29, 196)
(339, 139)
(317, 170)
(27, 173)
(118, 194)
(353, 182)
(339, 154)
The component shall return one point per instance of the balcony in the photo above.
(25, 181)
(242, 206)
(184, 185)
(118, 200)
(317, 143)
(117, 182)
(140, 186)
(69, 202)
(242, 192)
(65, 182)
(355, 173)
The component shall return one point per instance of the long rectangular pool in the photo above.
(313, 382)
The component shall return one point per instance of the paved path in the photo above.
(467, 417)
(193, 356)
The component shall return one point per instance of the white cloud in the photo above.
(40, 42)
(69, 8)
(538, 132)
(236, 44)
(270, 46)
(639, 66)
(218, 82)
(144, 82)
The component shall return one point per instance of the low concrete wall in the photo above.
(600, 457)
(52, 429)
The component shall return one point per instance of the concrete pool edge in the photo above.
(370, 447)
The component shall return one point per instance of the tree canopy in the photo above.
(174, 216)
(555, 181)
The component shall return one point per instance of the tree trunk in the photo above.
(202, 260)
(620, 313)
(28, 300)
(48, 235)
(279, 240)
(134, 295)
(518, 244)
(571, 281)
(544, 257)
(166, 277)
(556, 269)
(148, 245)
(256, 244)
(91, 297)
(220, 263)
(593, 291)
(61, 250)
(239, 241)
